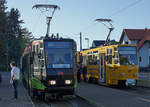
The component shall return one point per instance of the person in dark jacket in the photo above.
(84, 73)
(79, 72)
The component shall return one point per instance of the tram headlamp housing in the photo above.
(122, 74)
(52, 82)
(68, 82)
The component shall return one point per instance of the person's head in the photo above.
(12, 64)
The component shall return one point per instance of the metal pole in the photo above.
(87, 42)
(80, 41)
(48, 26)
(110, 29)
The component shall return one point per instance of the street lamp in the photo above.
(87, 42)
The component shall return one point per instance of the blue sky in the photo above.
(78, 16)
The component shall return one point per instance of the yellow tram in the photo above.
(111, 65)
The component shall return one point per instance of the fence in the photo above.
(144, 79)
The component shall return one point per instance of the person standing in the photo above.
(15, 75)
(85, 73)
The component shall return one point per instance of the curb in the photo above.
(27, 94)
(95, 104)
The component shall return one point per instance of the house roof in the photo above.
(98, 42)
(141, 35)
(145, 38)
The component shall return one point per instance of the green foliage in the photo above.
(13, 37)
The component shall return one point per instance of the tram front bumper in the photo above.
(65, 90)
(130, 82)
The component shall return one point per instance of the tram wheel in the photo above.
(122, 84)
(90, 80)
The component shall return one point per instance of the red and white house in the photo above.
(140, 38)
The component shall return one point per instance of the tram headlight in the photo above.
(52, 82)
(68, 81)
(122, 74)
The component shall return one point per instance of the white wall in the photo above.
(125, 39)
(144, 53)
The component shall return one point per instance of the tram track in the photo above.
(67, 101)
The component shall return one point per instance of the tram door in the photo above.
(102, 68)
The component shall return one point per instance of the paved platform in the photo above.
(101, 96)
(6, 94)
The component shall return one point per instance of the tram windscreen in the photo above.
(127, 55)
(59, 54)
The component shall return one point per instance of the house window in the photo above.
(140, 59)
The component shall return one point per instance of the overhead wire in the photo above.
(125, 8)
(113, 14)
(117, 12)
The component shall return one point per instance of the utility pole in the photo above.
(80, 41)
(87, 42)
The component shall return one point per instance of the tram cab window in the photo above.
(127, 55)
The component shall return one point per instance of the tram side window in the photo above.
(35, 60)
(116, 58)
(37, 48)
(95, 58)
(33, 48)
(109, 56)
(41, 45)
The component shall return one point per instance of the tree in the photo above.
(13, 38)
(17, 36)
(3, 20)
